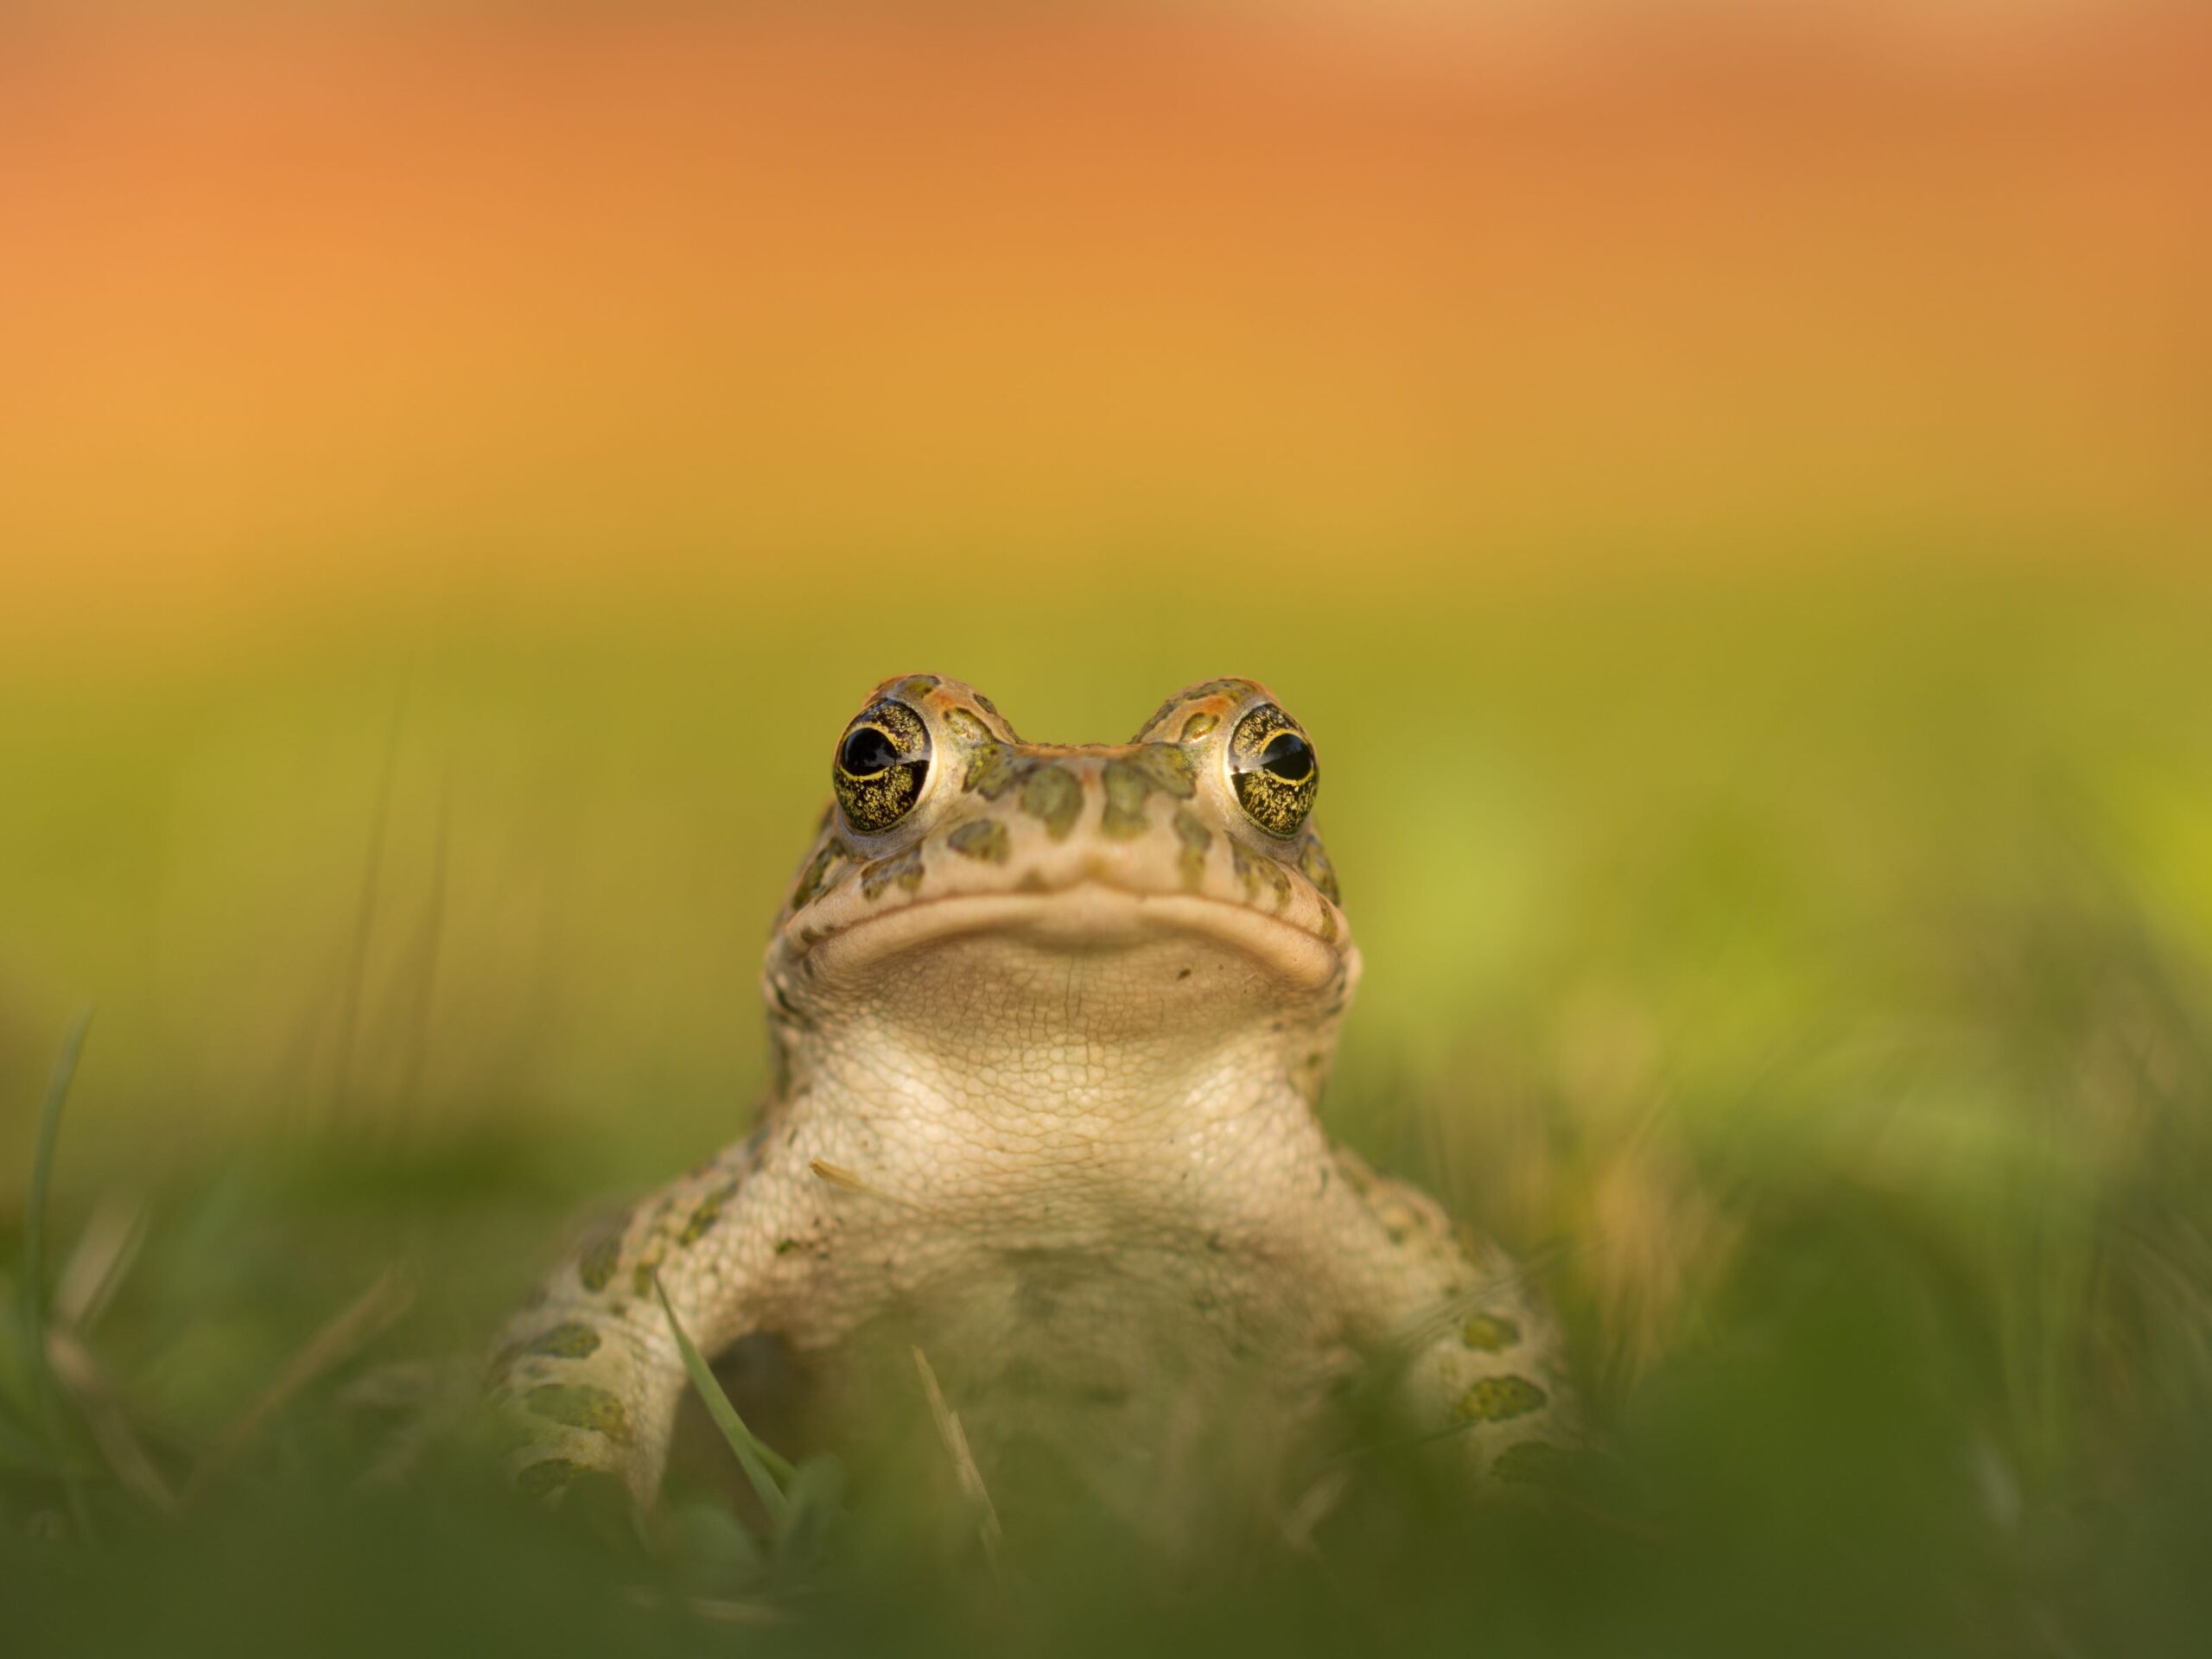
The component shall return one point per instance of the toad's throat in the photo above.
(1014, 1008)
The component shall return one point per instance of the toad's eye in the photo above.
(882, 761)
(1289, 757)
(868, 751)
(1273, 770)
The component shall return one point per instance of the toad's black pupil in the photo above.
(1289, 757)
(868, 751)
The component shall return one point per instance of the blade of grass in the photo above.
(357, 962)
(96, 1267)
(423, 976)
(754, 1455)
(97, 1401)
(965, 1471)
(50, 1128)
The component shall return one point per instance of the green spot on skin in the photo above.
(1199, 724)
(708, 1213)
(815, 878)
(1190, 860)
(785, 1246)
(1535, 1461)
(641, 1276)
(1254, 870)
(1192, 693)
(1318, 870)
(1247, 877)
(915, 687)
(985, 839)
(1279, 879)
(597, 1265)
(1053, 795)
(1168, 768)
(1489, 1334)
(785, 1012)
(904, 868)
(1159, 715)
(544, 1478)
(993, 769)
(1497, 1399)
(571, 1339)
(992, 709)
(580, 1405)
(965, 726)
(1126, 785)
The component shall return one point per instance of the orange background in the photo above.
(296, 314)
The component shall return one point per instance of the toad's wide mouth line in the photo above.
(1086, 915)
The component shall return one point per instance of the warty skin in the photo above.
(1048, 1025)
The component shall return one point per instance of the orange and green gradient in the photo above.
(456, 467)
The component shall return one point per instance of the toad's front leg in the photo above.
(590, 1372)
(1475, 1357)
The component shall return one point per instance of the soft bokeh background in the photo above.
(1726, 485)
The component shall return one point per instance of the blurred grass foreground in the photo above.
(1727, 498)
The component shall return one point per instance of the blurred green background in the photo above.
(1726, 492)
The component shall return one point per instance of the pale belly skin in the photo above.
(1048, 1049)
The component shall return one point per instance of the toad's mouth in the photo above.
(1088, 916)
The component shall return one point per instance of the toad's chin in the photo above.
(1172, 933)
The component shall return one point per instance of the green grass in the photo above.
(1813, 983)
(766, 1471)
